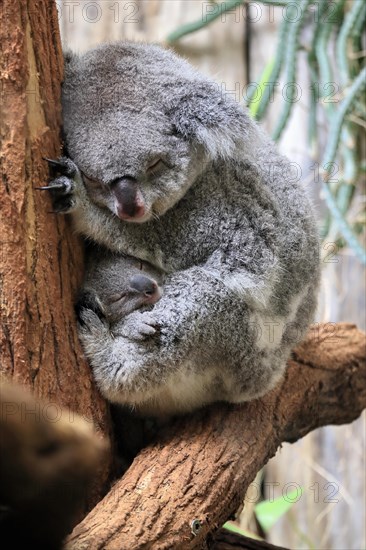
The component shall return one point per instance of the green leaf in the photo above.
(254, 105)
(269, 512)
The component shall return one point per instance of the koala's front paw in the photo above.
(62, 187)
(88, 299)
(139, 326)
(91, 325)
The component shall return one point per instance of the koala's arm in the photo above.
(202, 326)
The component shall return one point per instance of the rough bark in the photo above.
(40, 260)
(200, 468)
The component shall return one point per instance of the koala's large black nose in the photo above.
(128, 198)
(144, 285)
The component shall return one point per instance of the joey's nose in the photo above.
(144, 285)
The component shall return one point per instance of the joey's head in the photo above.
(118, 285)
(141, 124)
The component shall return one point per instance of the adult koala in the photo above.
(167, 170)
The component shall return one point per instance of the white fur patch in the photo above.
(182, 392)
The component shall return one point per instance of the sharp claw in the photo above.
(54, 163)
(65, 209)
(48, 187)
(63, 167)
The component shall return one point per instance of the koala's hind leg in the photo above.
(62, 187)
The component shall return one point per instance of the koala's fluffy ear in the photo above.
(204, 114)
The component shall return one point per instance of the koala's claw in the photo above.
(62, 187)
(59, 186)
(63, 166)
(61, 190)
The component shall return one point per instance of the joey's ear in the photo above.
(203, 113)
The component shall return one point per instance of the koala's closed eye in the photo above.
(142, 266)
(116, 297)
(157, 165)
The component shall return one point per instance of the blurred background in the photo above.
(299, 66)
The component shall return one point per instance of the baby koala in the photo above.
(116, 285)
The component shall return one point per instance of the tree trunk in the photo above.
(40, 260)
(181, 489)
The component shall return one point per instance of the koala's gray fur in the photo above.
(221, 217)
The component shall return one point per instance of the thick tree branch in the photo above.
(201, 467)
